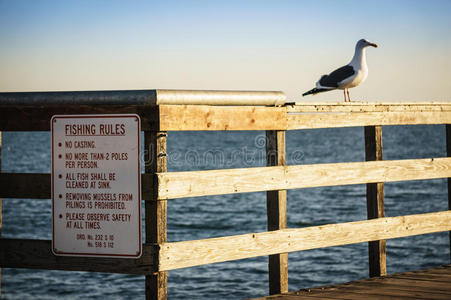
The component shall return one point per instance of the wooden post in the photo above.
(276, 202)
(448, 153)
(375, 202)
(156, 211)
(1, 212)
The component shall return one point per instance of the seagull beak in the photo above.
(374, 45)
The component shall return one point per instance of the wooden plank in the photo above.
(229, 181)
(202, 117)
(25, 185)
(199, 117)
(37, 118)
(444, 270)
(383, 292)
(38, 186)
(363, 289)
(332, 120)
(374, 291)
(1, 208)
(400, 286)
(369, 107)
(37, 254)
(448, 153)
(199, 252)
(377, 260)
(428, 277)
(393, 286)
(276, 207)
(409, 283)
(156, 211)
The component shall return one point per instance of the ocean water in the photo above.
(204, 217)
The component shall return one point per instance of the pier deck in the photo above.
(432, 283)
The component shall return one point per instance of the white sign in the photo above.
(96, 185)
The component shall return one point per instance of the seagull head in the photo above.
(365, 43)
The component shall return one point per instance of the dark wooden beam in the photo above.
(276, 207)
(37, 254)
(375, 202)
(38, 186)
(37, 118)
(156, 211)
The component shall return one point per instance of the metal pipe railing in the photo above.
(145, 97)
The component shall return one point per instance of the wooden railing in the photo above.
(159, 186)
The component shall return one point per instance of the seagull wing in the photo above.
(333, 79)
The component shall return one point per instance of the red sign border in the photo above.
(86, 254)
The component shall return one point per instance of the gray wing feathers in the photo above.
(336, 76)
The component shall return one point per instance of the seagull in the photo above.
(348, 76)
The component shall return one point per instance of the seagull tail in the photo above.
(315, 91)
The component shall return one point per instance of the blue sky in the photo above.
(238, 45)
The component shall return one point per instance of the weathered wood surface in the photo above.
(199, 252)
(377, 258)
(25, 185)
(369, 107)
(163, 117)
(434, 283)
(38, 186)
(37, 254)
(37, 118)
(156, 211)
(448, 153)
(229, 181)
(352, 119)
(276, 209)
(1, 207)
(201, 117)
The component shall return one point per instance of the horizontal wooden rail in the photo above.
(204, 117)
(369, 107)
(37, 254)
(201, 117)
(160, 118)
(25, 185)
(217, 182)
(38, 186)
(353, 119)
(200, 252)
(37, 118)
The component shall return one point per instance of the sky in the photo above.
(279, 45)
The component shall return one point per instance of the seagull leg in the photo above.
(344, 94)
(349, 98)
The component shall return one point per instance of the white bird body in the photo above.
(353, 81)
(348, 76)
(358, 62)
